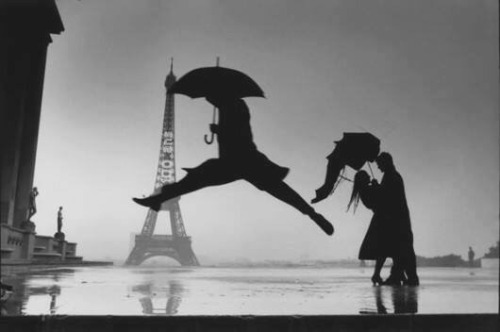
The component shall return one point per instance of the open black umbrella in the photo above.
(353, 150)
(212, 81)
(216, 81)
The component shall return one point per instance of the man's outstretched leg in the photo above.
(285, 193)
(212, 172)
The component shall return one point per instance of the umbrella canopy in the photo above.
(216, 81)
(353, 150)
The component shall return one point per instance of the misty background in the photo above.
(420, 75)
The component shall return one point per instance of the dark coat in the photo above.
(234, 133)
(238, 153)
(394, 208)
(378, 242)
(389, 233)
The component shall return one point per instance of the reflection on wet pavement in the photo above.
(246, 291)
(404, 300)
(173, 298)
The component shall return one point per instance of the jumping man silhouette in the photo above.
(238, 159)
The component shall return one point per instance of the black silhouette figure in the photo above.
(471, 255)
(394, 209)
(354, 150)
(377, 244)
(32, 203)
(238, 154)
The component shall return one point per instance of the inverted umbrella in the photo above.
(353, 150)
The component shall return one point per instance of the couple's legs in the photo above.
(397, 272)
(411, 268)
(404, 269)
(376, 278)
(285, 193)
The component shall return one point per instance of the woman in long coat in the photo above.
(377, 244)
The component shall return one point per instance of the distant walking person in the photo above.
(377, 244)
(471, 257)
(394, 209)
(59, 219)
(32, 203)
(238, 159)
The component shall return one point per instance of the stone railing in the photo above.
(16, 244)
(23, 246)
(49, 249)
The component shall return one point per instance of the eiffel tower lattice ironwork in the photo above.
(178, 245)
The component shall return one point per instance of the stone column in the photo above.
(25, 28)
(13, 82)
(30, 125)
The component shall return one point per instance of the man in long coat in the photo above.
(394, 207)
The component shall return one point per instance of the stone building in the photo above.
(26, 27)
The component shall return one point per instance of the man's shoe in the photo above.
(324, 224)
(151, 202)
(412, 282)
(392, 282)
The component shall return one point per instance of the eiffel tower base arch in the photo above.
(177, 248)
(177, 245)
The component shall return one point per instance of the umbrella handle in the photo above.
(209, 140)
(371, 171)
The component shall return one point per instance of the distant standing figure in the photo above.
(471, 257)
(32, 203)
(59, 219)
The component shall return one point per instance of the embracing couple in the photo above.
(389, 234)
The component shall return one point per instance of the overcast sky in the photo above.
(420, 75)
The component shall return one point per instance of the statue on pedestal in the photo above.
(29, 224)
(32, 203)
(59, 235)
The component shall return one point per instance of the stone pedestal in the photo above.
(28, 226)
(59, 236)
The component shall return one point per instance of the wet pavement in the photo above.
(248, 291)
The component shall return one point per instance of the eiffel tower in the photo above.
(178, 245)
